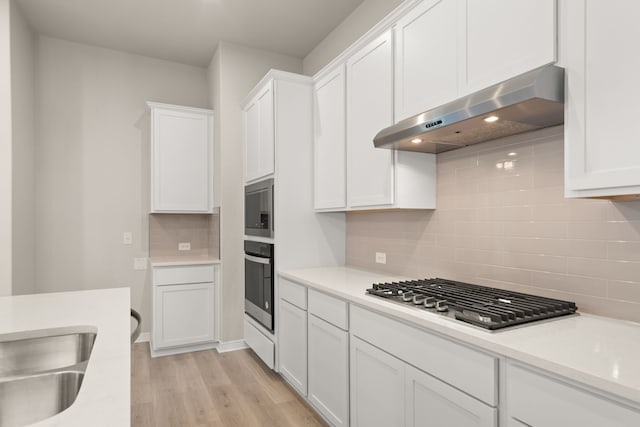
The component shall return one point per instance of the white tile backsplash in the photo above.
(503, 221)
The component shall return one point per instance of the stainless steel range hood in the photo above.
(531, 101)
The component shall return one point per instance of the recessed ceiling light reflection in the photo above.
(512, 154)
(416, 141)
(491, 119)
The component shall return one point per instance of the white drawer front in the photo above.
(294, 293)
(464, 368)
(328, 308)
(534, 399)
(182, 274)
(260, 344)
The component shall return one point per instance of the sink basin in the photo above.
(26, 400)
(44, 353)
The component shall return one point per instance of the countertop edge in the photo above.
(178, 262)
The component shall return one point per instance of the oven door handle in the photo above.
(259, 260)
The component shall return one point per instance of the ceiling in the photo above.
(188, 31)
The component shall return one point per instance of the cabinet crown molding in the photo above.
(377, 30)
(274, 74)
(151, 105)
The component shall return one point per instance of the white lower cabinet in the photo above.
(404, 376)
(377, 387)
(183, 307)
(536, 400)
(329, 370)
(386, 391)
(430, 402)
(365, 369)
(293, 345)
(184, 314)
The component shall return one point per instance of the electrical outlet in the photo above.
(127, 238)
(381, 257)
(184, 246)
(139, 263)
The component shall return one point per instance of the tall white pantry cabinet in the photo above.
(277, 140)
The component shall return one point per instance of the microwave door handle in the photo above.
(259, 260)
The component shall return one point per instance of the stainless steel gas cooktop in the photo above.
(486, 307)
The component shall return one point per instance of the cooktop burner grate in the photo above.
(489, 308)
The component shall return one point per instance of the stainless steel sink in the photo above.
(41, 372)
(26, 400)
(44, 353)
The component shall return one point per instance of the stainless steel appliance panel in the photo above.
(258, 209)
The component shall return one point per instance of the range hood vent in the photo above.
(531, 101)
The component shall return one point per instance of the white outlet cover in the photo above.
(381, 257)
(127, 238)
(184, 246)
(139, 263)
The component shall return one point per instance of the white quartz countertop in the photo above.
(168, 261)
(104, 398)
(597, 351)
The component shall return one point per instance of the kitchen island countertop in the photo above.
(597, 351)
(105, 394)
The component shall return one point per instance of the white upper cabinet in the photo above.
(602, 154)
(428, 54)
(330, 184)
(505, 38)
(369, 109)
(259, 135)
(181, 159)
(353, 102)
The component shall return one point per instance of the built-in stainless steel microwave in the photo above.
(258, 209)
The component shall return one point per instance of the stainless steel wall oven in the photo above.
(258, 282)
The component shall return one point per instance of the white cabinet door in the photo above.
(292, 345)
(329, 370)
(330, 185)
(428, 51)
(259, 135)
(181, 160)
(183, 314)
(430, 402)
(506, 38)
(602, 154)
(369, 109)
(538, 401)
(377, 387)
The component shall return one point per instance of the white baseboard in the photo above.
(144, 337)
(226, 346)
(180, 350)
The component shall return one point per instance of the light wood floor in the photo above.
(206, 388)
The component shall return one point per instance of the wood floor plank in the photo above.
(210, 368)
(210, 389)
(142, 415)
(269, 380)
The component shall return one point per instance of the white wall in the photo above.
(234, 71)
(5, 148)
(92, 162)
(351, 29)
(23, 140)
